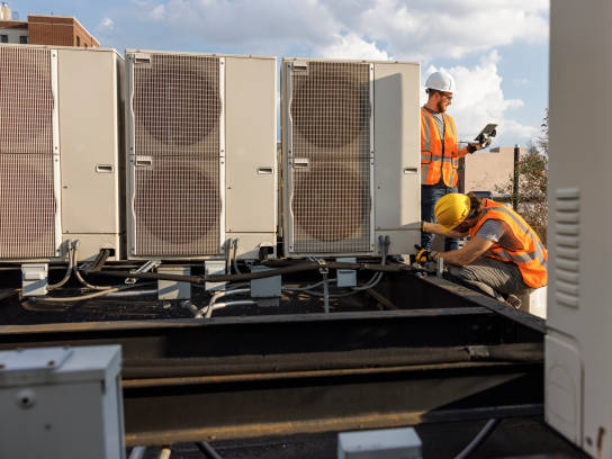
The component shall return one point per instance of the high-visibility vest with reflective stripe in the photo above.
(531, 258)
(438, 162)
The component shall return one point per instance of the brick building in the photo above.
(42, 29)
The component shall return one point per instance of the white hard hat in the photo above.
(441, 81)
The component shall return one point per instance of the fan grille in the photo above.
(177, 106)
(177, 201)
(27, 195)
(330, 113)
(27, 206)
(26, 101)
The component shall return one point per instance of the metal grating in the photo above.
(177, 106)
(26, 101)
(177, 201)
(27, 206)
(177, 206)
(331, 198)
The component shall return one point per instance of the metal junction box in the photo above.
(61, 151)
(61, 403)
(350, 156)
(201, 138)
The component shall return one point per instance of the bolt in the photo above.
(50, 363)
(589, 441)
(2, 366)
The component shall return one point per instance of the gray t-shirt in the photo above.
(439, 119)
(497, 231)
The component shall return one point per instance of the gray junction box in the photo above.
(61, 403)
(401, 443)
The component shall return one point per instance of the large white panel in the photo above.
(579, 288)
(91, 150)
(250, 126)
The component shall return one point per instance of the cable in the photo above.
(208, 450)
(384, 243)
(235, 257)
(75, 268)
(478, 439)
(204, 311)
(73, 299)
(229, 303)
(68, 270)
(298, 267)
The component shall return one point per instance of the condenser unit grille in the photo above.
(27, 206)
(330, 115)
(178, 206)
(26, 101)
(177, 104)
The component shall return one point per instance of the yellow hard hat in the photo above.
(451, 209)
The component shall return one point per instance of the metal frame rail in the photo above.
(244, 377)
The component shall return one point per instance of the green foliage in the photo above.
(532, 201)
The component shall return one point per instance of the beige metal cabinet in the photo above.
(61, 152)
(201, 169)
(351, 156)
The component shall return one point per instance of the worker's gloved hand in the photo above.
(486, 143)
(424, 255)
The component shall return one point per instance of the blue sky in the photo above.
(496, 49)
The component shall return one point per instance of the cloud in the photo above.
(521, 81)
(106, 25)
(479, 100)
(409, 29)
(352, 46)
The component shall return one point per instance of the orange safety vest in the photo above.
(531, 259)
(437, 160)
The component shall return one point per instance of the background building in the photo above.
(485, 171)
(42, 29)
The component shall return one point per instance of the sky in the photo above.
(497, 50)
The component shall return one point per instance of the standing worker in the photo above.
(440, 151)
(504, 256)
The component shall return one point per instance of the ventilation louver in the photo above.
(27, 195)
(177, 201)
(330, 116)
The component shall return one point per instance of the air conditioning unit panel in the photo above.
(177, 105)
(330, 157)
(60, 138)
(250, 140)
(92, 151)
(331, 207)
(351, 156)
(26, 101)
(201, 139)
(27, 206)
(177, 207)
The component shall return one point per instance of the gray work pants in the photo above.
(494, 277)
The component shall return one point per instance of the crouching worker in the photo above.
(504, 256)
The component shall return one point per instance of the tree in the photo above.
(533, 184)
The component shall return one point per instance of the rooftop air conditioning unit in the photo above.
(351, 156)
(60, 151)
(578, 370)
(202, 155)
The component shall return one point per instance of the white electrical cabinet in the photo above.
(201, 138)
(61, 151)
(61, 403)
(351, 156)
(577, 361)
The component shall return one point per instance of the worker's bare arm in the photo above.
(434, 228)
(467, 254)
